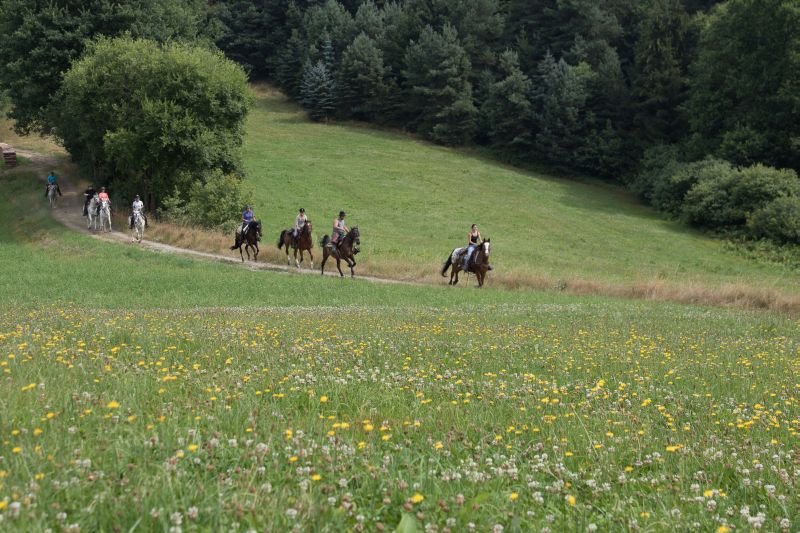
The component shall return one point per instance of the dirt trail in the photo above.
(69, 212)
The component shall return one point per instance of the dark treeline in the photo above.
(593, 86)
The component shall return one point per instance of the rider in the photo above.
(103, 197)
(137, 206)
(247, 217)
(339, 229)
(299, 223)
(473, 237)
(52, 180)
(89, 194)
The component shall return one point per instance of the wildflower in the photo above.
(513, 496)
(417, 497)
(570, 499)
(438, 445)
(112, 405)
(723, 529)
(323, 399)
(192, 447)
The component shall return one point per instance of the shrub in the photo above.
(779, 220)
(213, 201)
(724, 197)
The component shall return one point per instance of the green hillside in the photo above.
(415, 201)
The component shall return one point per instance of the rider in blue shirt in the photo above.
(52, 180)
(247, 217)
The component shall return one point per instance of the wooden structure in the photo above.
(9, 155)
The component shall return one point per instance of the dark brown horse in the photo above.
(478, 263)
(346, 249)
(304, 242)
(249, 240)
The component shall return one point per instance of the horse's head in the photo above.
(355, 235)
(257, 226)
(484, 248)
(308, 228)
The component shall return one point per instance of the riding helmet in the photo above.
(341, 213)
(302, 210)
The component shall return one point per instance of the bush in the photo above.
(724, 197)
(779, 220)
(657, 164)
(214, 201)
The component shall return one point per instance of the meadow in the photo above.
(150, 392)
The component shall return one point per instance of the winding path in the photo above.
(69, 212)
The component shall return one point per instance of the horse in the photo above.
(91, 212)
(105, 215)
(304, 243)
(478, 264)
(138, 226)
(346, 249)
(249, 240)
(52, 191)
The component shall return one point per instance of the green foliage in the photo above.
(318, 92)
(142, 115)
(779, 220)
(724, 197)
(40, 39)
(507, 109)
(363, 78)
(213, 201)
(244, 37)
(440, 94)
(292, 57)
(745, 84)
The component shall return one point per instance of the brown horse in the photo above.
(346, 249)
(249, 240)
(478, 264)
(304, 242)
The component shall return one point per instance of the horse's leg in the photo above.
(324, 259)
(240, 253)
(255, 257)
(288, 261)
(296, 263)
(311, 255)
(339, 266)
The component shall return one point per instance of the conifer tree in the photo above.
(362, 78)
(508, 109)
(318, 92)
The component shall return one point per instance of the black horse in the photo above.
(249, 239)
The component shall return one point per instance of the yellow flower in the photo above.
(438, 445)
(3, 504)
(293, 459)
(37, 432)
(723, 529)
(570, 500)
(16, 449)
(674, 448)
(417, 497)
(569, 454)
(112, 405)
(323, 399)
(316, 477)
(629, 468)
(39, 476)
(513, 496)
(192, 447)
(368, 427)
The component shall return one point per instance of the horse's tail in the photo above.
(447, 264)
(324, 242)
(280, 239)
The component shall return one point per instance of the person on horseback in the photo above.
(299, 222)
(339, 229)
(247, 218)
(89, 194)
(103, 197)
(473, 238)
(137, 207)
(52, 181)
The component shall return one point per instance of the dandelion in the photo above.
(513, 496)
(570, 499)
(417, 497)
(192, 447)
(112, 405)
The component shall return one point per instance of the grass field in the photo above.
(151, 392)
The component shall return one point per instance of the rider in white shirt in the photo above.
(299, 223)
(137, 207)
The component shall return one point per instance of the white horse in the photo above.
(91, 210)
(52, 191)
(105, 215)
(138, 226)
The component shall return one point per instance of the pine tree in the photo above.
(362, 78)
(318, 92)
(290, 66)
(439, 95)
(508, 109)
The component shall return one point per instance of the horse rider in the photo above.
(137, 207)
(299, 223)
(103, 197)
(247, 218)
(340, 229)
(52, 180)
(89, 194)
(473, 238)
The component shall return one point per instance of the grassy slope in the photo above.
(414, 201)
